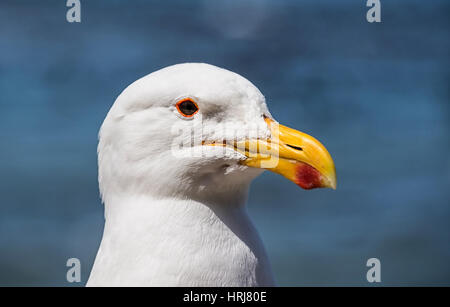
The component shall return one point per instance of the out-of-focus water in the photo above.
(377, 95)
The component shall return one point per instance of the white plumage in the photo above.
(178, 221)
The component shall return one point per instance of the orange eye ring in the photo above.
(187, 107)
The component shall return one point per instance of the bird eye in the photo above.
(187, 107)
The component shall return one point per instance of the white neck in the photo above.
(180, 242)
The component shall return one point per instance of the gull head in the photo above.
(195, 130)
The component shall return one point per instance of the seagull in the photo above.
(176, 155)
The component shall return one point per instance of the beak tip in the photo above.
(333, 181)
(330, 181)
(330, 184)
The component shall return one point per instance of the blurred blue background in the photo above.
(377, 95)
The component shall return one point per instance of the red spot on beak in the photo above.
(307, 177)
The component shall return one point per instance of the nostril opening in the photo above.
(295, 147)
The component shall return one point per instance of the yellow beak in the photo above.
(293, 154)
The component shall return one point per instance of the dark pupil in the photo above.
(188, 107)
